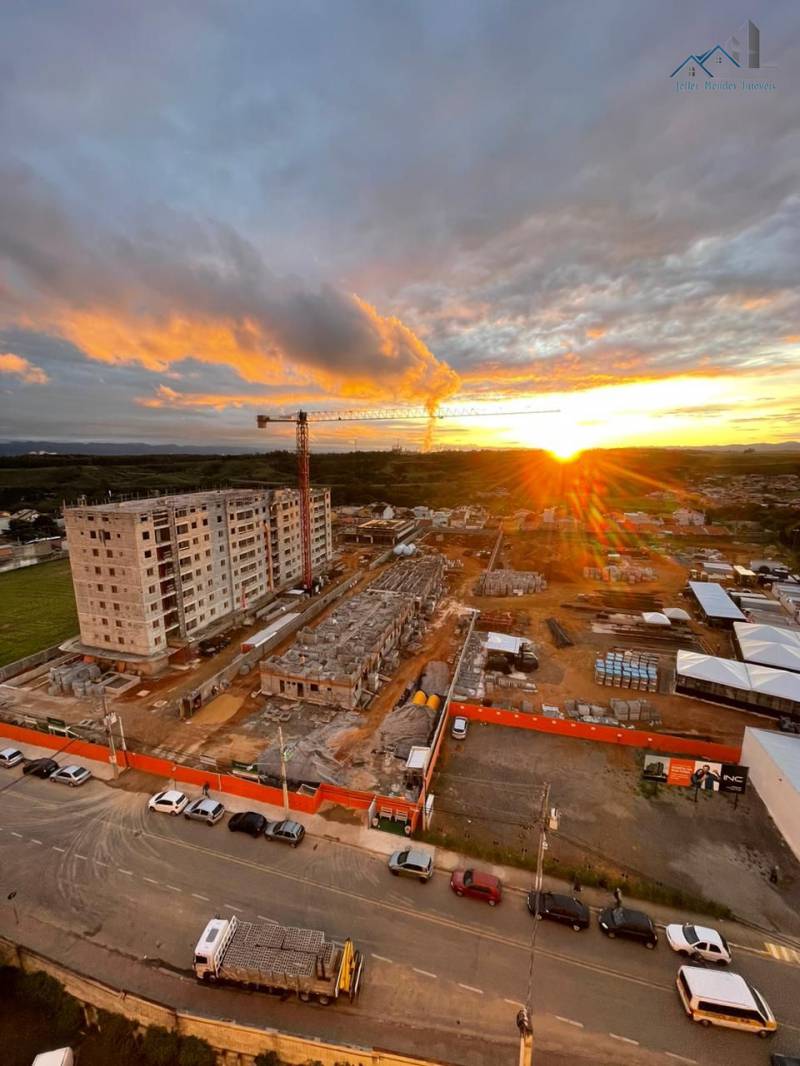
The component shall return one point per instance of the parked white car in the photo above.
(72, 776)
(169, 802)
(10, 757)
(460, 728)
(699, 942)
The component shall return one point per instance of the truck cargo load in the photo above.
(278, 958)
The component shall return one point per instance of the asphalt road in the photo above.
(111, 889)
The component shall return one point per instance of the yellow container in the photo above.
(434, 702)
(419, 698)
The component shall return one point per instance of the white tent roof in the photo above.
(769, 645)
(771, 634)
(655, 618)
(676, 614)
(710, 668)
(746, 677)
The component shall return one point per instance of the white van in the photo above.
(61, 1057)
(714, 998)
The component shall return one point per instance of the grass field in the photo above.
(37, 609)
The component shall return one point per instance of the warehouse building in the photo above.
(716, 606)
(774, 762)
(748, 686)
(768, 645)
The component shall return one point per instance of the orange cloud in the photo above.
(21, 368)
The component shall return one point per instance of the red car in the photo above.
(478, 885)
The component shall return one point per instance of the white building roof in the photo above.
(676, 614)
(746, 677)
(711, 668)
(783, 749)
(503, 642)
(769, 645)
(715, 601)
(655, 618)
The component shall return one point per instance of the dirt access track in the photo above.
(488, 789)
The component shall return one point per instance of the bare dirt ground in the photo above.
(487, 788)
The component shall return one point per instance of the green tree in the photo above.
(195, 1052)
(160, 1047)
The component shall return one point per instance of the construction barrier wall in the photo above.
(605, 734)
(225, 783)
(235, 1045)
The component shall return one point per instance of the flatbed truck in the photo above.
(277, 958)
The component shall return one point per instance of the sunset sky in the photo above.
(209, 210)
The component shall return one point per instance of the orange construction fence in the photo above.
(605, 734)
(225, 783)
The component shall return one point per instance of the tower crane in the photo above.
(302, 419)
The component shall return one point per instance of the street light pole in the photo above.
(525, 1016)
(283, 772)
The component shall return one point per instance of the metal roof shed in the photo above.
(715, 602)
(774, 761)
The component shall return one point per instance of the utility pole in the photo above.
(525, 1015)
(108, 722)
(283, 772)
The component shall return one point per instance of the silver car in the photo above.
(460, 728)
(412, 863)
(72, 776)
(204, 810)
(10, 757)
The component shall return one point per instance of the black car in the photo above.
(40, 767)
(287, 831)
(565, 909)
(634, 925)
(247, 822)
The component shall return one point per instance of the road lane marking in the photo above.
(150, 880)
(568, 1021)
(680, 1058)
(469, 988)
(82, 857)
(14, 834)
(34, 841)
(382, 958)
(99, 862)
(198, 896)
(230, 906)
(514, 1002)
(425, 973)
(783, 954)
(57, 848)
(128, 873)
(487, 936)
(624, 1039)
(264, 918)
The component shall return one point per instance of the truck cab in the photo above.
(211, 947)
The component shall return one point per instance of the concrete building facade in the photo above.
(151, 574)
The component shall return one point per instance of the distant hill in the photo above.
(25, 447)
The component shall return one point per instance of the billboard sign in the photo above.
(700, 774)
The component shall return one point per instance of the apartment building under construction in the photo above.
(151, 574)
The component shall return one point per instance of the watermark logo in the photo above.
(735, 66)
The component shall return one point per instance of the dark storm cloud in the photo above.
(308, 204)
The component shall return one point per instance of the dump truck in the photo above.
(278, 958)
